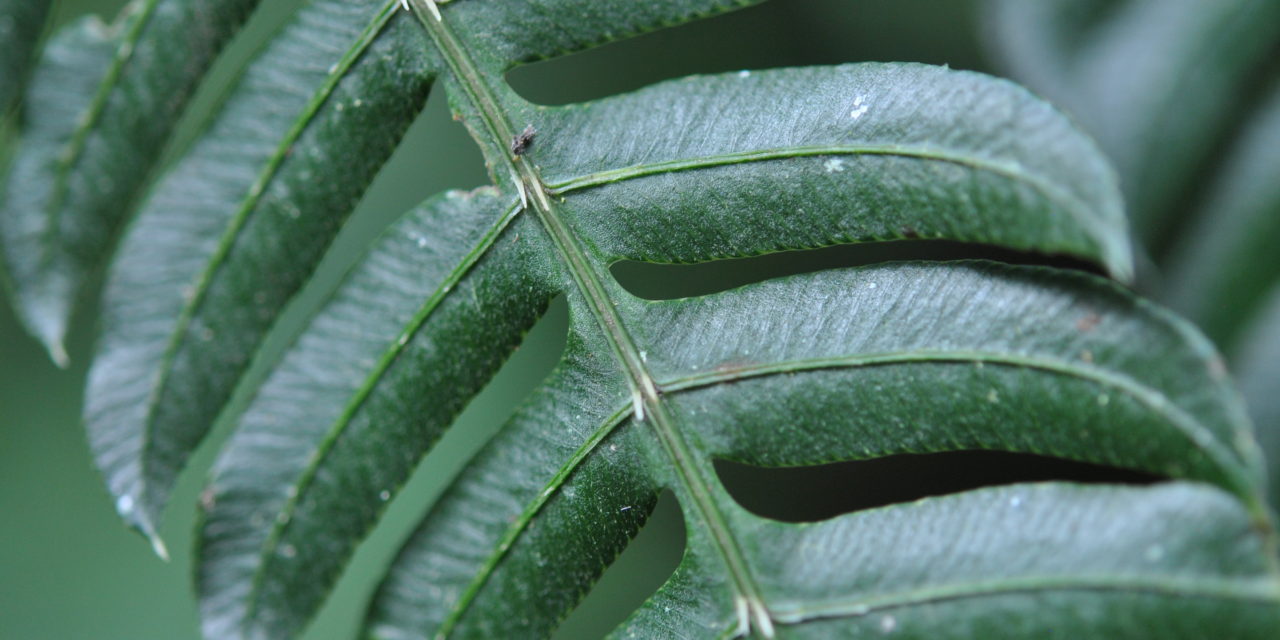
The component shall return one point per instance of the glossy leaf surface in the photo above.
(839, 365)
(831, 385)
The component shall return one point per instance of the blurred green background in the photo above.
(68, 567)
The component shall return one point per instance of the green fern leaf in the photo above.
(839, 365)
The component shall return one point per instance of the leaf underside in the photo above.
(846, 364)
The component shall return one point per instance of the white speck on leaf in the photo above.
(834, 165)
(744, 74)
(384, 495)
(859, 107)
(124, 505)
(888, 624)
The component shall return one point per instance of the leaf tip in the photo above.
(127, 509)
(45, 318)
(157, 545)
(58, 353)
(50, 335)
(1119, 262)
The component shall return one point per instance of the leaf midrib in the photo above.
(698, 381)
(588, 280)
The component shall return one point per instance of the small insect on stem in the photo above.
(520, 143)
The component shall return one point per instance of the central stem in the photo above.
(589, 279)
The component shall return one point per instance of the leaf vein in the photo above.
(1199, 435)
(241, 217)
(449, 284)
(70, 155)
(517, 528)
(1050, 191)
(1256, 591)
